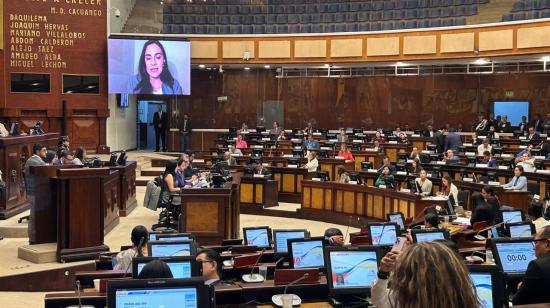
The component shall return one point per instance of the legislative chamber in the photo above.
(275, 153)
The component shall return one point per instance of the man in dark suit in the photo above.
(185, 131)
(160, 121)
(439, 139)
(260, 169)
(504, 126)
(37, 159)
(537, 123)
(533, 136)
(386, 163)
(523, 125)
(534, 287)
(452, 141)
(428, 132)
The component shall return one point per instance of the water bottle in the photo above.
(489, 256)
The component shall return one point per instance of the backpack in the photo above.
(152, 193)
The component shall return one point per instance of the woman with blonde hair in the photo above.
(427, 274)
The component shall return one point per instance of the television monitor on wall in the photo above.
(149, 65)
(514, 110)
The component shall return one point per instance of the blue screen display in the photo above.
(257, 237)
(398, 220)
(170, 250)
(430, 236)
(520, 231)
(513, 109)
(173, 238)
(514, 257)
(483, 284)
(166, 298)
(178, 269)
(281, 237)
(383, 234)
(308, 254)
(353, 269)
(511, 216)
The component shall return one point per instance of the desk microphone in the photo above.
(253, 277)
(135, 255)
(277, 299)
(277, 262)
(347, 229)
(77, 284)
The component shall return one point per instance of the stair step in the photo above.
(152, 171)
(142, 180)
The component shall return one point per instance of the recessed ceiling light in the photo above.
(247, 68)
(202, 66)
(481, 61)
(267, 66)
(326, 65)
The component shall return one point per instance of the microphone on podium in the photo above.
(254, 277)
(277, 299)
(77, 283)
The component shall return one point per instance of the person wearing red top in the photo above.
(240, 143)
(345, 153)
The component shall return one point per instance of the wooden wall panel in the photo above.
(236, 49)
(533, 37)
(496, 40)
(204, 49)
(310, 49)
(274, 49)
(382, 46)
(457, 42)
(368, 102)
(346, 48)
(419, 45)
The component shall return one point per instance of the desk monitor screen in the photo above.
(307, 252)
(521, 229)
(181, 267)
(429, 235)
(257, 236)
(171, 248)
(489, 285)
(513, 255)
(351, 269)
(383, 233)
(280, 238)
(398, 218)
(167, 293)
(175, 237)
(512, 216)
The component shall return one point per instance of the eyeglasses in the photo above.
(541, 239)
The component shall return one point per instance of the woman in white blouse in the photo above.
(312, 162)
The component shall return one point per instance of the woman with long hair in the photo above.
(169, 183)
(448, 188)
(139, 238)
(153, 76)
(427, 274)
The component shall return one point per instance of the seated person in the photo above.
(533, 136)
(527, 163)
(234, 151)
(310, 143)
(485, 206)
(535, 213)
(428, 132)
(520, 154)
(474, 138)
(448, 188)
(189, 171)
(403, 139)
(450, 158)
(240, 143)
(343, 174)
(345, 153)
(211, 266)
(424, 183)
(281, 136)
(334, 236)
(169, 185)
(260, 169)
(231, 161)
(276, 129)
(182, 164)
(386, 163)
(489, 160)
(485, 146)
(50, 157)
(312, 162)
(414, 154)
(342, 137)
(155, 269)
(415, 166)
(244, 128)
(139, 238)
(377, 147)
(386, 178)
(492, 134)
(378, 137)
(534, 287)
(80, 153)
(518, 182)
(66, 158)
(431, 221)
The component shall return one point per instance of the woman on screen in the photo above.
(153, 76)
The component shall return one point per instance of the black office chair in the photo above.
(169, 216)
(533, 188)
(463, 197)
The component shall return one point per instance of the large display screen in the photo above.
(513, 109)
(257, 237)
(484, 288)
(170, 250)
(166, 298)
(281, 245)
(308, 254)
(353, 269)
(179, 269)
(515, 256)
(383, 234)
(149, 66)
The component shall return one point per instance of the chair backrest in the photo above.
(533, 188)
(463, 198)
(479, 225)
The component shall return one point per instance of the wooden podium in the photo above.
(127, 176)
(211, 214)
(77, 206)
(14, 152)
